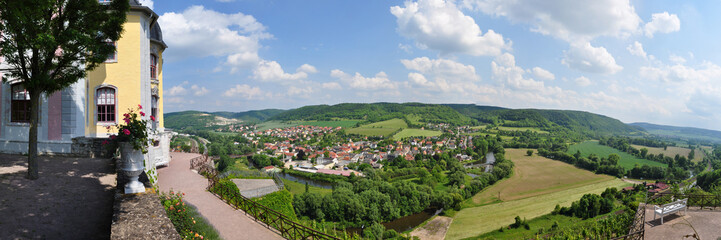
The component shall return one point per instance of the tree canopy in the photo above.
(51, 44)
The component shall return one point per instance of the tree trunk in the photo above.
(33, 138)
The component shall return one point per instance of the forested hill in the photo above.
(197, 119)
(551, 120)
(682, 133)
(374, 112)
(251, 116)
(416, 114)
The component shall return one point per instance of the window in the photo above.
(154, 111)
(113, 57)
(20, 104)
(154, 108)
(153, 66)
(105, 100)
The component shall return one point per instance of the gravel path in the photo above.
(72, 199)
(230, 223)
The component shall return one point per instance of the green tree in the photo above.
(51, 44)
(529, 152)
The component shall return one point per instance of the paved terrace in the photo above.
(230, 223)
(73, 199)
(704, 222)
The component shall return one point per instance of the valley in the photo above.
(544, 158)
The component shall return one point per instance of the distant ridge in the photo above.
(682, 133)
(417, 114)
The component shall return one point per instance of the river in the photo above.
(405, 223)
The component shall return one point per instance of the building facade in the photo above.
(132, 76)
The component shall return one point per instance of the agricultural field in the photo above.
(274, 124)
(339, 123)
(298, 188)
(522, 129)
(672, 151)
(534, 176)
(471, 222)
(412, 132)
(627, 161)
(384, 128)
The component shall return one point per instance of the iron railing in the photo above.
(638, 227)
(288, 228)
(705, 201)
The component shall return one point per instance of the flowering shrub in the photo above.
(134, 130)
(180, 215)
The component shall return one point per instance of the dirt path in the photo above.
(433, 230)
(230, 223)
(72, 199)
(631, 181)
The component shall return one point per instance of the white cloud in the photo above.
(176, 91)
(406, 48)
(676, 59)
(147, 3)
(441, 26)
(582, 56)
(446, 75)
(198, 32)
(583, 81)
(304, 91)
(199, 91)
(178, 100)
(662, 23)
(543, 74)
(358, 81)
(244, 91)
(505, 71)
(568, 20)
(307, 68)
(444, 68)
(636, 49)
(272, 71)
(331, 86)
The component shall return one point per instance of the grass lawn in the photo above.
(471, 222)
(534, 176)
(543, 222)
(627, 161)
(412, 132)
(275, 124)
(299, 188)
(383, 128)
(339, 123)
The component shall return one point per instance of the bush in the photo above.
(188, 223)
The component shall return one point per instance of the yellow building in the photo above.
(74, 120)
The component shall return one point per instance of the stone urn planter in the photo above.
(132, 164)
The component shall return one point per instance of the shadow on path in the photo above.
(72, 199)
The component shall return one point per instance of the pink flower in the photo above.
(112, 136)
(142, 113)
(105, 142)
(126, 131)
(152, 118)
(140, 106)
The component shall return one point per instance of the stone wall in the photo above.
(90, 147)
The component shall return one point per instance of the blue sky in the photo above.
(651, 61)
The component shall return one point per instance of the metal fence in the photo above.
(638, 228)
(288, 228)
(705, 201)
